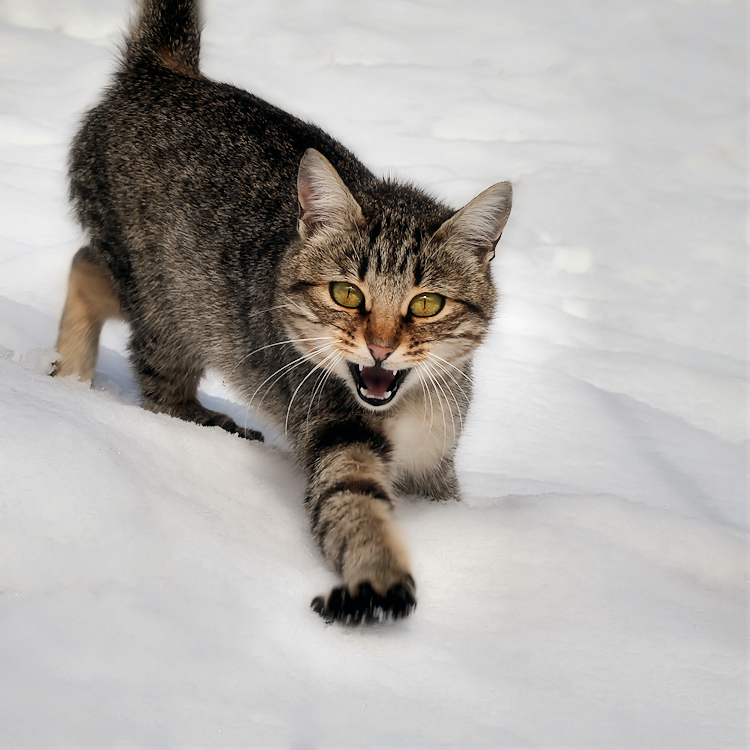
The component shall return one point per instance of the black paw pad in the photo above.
(366, 605)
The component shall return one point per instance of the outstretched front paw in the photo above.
(366, 605)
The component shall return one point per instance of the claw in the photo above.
(366, 605)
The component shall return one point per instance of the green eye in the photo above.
(346, 294)
(426, 305)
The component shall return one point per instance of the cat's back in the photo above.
(162, 133)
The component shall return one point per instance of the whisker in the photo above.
(448, 374)
(429, 370)
(320, 365)
(297, 305)
(278, 343)
(432, 355)
(428, 396)
(442, 375)
(278, 374)
(318, 381)
(321, 383)
(329, 371)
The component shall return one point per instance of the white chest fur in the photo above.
(421, 433)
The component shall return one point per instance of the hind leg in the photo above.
(169, 384)
(91, 300)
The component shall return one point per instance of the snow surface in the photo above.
(155, 576)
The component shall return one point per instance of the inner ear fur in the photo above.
(324, 200)
(481, 221)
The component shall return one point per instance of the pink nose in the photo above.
(379, 352)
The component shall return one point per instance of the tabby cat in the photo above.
(234, 237)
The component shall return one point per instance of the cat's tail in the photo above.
(168, 32)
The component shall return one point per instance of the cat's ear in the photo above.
(481, 221)
(324, 200)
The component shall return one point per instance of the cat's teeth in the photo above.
(385, 396)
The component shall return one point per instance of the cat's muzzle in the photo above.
(376, 386)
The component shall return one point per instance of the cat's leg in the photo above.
(440, 483)
(169, 381)
(350, 502)
(90, 301)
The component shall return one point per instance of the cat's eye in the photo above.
(426, 305)
(347, 295)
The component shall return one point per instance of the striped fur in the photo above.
(232, 236)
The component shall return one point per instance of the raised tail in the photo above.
(167, 31)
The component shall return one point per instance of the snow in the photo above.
(155, 576)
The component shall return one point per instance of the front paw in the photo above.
(249, 434)
(366, 605)
(228, 424)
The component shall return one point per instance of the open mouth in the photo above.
(375, 385)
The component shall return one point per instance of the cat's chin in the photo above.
(376, 386)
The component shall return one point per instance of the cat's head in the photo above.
(392, 296)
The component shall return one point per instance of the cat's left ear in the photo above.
(324, 200)
(480, 222)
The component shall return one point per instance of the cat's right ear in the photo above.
(324, 200)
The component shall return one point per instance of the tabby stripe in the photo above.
(342, 551)
(356, 487)
(418, 271)
(300, 285)
(405, 261)
(377, 227)
(348, 433)
(321, 532)
(364, 264)
(478, 310)
(467, 335)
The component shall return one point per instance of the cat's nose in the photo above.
(379, 352)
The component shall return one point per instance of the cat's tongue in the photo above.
(377, 380)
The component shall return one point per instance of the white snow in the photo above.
(155, 576)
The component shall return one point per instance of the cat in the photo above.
(232, 236)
